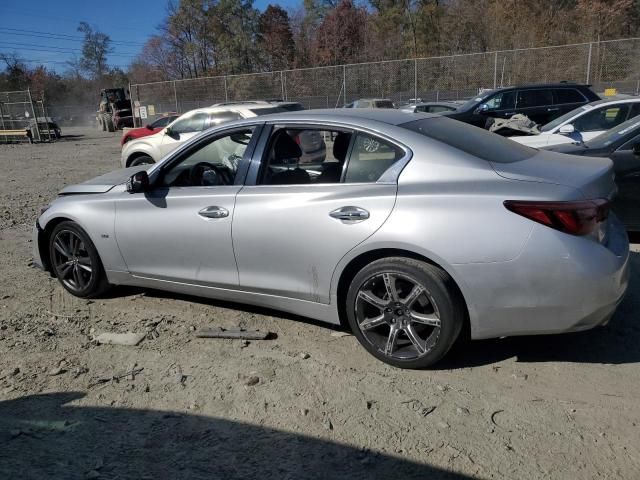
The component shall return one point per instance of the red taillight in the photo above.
(575, 218)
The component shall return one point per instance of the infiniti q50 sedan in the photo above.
(410, 228)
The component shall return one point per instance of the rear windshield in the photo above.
(473, 140)
(291, 107)
(267, 111)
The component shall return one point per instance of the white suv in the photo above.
(152, 148)
(583, 123)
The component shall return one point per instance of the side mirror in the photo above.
(138, 182)
(171, 133)
(636, 149)
(148, 127)
(482, 108)
(567, 129)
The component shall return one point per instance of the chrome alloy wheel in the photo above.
(71, 260)
(397, 315)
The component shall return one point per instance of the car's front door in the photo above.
(183, 130)
(537, 104)
(180, 230)
(295, 223)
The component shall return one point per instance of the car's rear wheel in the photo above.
(405, 312)
(75, 261)
(141, 160)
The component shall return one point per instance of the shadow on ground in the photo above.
(44, 438)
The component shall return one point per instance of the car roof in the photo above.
(389, 116)
(541, 85)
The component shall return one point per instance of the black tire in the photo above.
(141, 160)
(439, 302)
(89, 285)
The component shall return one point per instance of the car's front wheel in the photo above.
(75, 261)
(405, 312)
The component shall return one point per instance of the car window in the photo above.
(223, 117)
(370, 157)
(267, 110)
(162, 122)
(384, 104)
(563, 118)
(439, 108)
(472, 140)
(502, 101)
(194, 123)
(630, 144)
(635, 110)
(569, 95)
(534, 98)
(616, 135)
(213, 163)
(602, 118)
(304, 156)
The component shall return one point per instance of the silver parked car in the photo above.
(441, 226)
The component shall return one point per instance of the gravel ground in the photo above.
(308, 404)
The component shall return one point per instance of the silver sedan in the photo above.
(409, 229)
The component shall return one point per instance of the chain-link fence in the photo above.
(608, 64)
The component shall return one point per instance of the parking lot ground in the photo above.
(307, 404)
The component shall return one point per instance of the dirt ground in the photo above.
(177, 406)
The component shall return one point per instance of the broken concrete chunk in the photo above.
(128, 339)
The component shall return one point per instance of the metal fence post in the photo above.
(175, 96)
(495, 70)
(344, 85)
(589, 62)
(35, 115)
(282, 86)
(226, 92)
(133, 111)
(415, 80)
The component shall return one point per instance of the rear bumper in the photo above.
(559, 283)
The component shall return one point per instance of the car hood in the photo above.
(103, 183)
(592, 176)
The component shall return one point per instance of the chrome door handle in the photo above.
(553, 109)
(353, 214)
(214, 212)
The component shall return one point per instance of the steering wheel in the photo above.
(196, 174)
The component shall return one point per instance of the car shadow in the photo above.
(43, 436)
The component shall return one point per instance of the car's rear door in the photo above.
(537, 104)
(293, 223)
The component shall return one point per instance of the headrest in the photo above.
(286, 147)
(341, 146)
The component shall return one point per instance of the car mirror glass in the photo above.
(138, 182)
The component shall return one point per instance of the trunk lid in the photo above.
(593, 177)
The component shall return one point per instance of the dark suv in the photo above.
(541, 103)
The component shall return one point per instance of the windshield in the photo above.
(476, 100)
(563, 118)
(473, 140)
(267, 111)
(620, 133)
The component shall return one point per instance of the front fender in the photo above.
(95, 214)
(137, 146)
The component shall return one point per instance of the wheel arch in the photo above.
(137, 154)
(355, 264)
